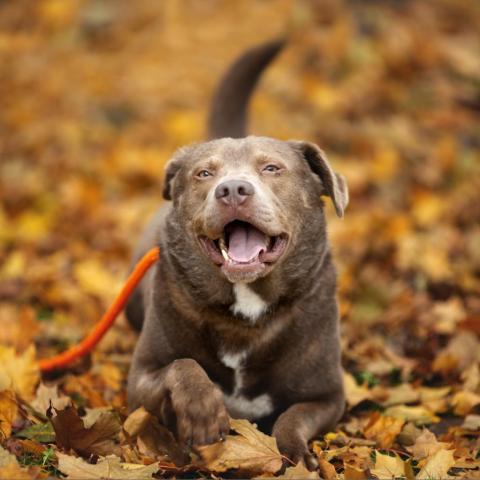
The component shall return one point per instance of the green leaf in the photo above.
(42, 432)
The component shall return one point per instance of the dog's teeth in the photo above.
(223, 249)
(268, 241)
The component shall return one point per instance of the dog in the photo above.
(240, 318)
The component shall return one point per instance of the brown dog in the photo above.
(240, 316)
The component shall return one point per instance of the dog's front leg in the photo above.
(183, 397)
(302, 422)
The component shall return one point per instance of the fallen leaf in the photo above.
(8, 412)
(327, 470)
(388, 467)
(383, 429)
(71, 432)
(418, 415)
(437, 465)
(106, 468)
(352, 472)
(153, 439)
(426, 445)
(355, 393)
(299, 471)
(250, 450)
(471, 422)
(46, 396)
(41, 432)
(9, 467)
(19, 372)
(464, 402)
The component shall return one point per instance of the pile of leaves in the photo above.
(94, 98)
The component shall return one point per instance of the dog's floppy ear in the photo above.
(171, 170)
(334, 184)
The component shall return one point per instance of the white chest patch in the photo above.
(247, 302)
(237, 404)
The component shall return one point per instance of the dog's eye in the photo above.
(271, 168)
(204, 174)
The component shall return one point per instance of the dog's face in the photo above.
(243, 203)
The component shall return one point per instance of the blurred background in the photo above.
(96, 95)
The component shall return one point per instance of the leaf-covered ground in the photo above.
(94, 97)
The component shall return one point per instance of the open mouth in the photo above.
(243, 250)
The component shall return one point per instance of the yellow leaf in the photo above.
(355, 393)
(96, 280)
(384, 430)
(437, 466)
(9, 467)
(8, 413)
(327, 470)
(464, 402)
(388, 467)
(418, 415)
(106, 468)
(250, 450)
(352, 472)
(299, 471)
(19, 372)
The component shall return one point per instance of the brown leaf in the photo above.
(383, 429)
(437, 465)
(153, 439)
(106, 468)
(250, 450)
(72, 434)
(426, 445)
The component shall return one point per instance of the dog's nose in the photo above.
(234, 192)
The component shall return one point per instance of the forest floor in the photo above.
(94, 98)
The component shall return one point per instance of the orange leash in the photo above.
(87, 344)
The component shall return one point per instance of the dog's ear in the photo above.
(171, 170)
(334, 184)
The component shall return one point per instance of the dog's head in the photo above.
(246, 204)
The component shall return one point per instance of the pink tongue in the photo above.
(245, 242)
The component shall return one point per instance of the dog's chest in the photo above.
(239, 405)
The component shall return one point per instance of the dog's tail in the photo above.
(228, 113)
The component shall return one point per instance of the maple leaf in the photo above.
(48, 395)
(72, 434)
(437, 465)
(153, 439)
(8, 412)
(426, 445)
(19, 372)
(250, 450)
(383, 429)
(389, 467)
(106, 468)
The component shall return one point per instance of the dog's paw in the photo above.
(201, 416)
(296, 450)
